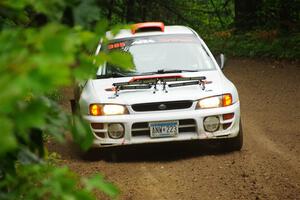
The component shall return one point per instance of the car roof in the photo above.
(127, 33)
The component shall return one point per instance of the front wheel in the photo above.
(233, 144)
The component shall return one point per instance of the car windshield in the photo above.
(162, 54)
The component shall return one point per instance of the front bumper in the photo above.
(190, 131)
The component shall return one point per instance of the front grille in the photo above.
(171, 105)
(142, 128)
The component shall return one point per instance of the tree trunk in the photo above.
(285, 15)
(143, 4)
(130, 14)
(246, 14)
(110, 9)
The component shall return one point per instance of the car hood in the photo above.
(99, 89)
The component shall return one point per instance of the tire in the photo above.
(233, 144)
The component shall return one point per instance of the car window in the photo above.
(168, 52)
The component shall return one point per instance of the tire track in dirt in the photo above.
(278, 150)
(269, 93)
(153, 185)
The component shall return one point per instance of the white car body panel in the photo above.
(95, 91)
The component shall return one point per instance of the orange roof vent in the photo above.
(147, 27)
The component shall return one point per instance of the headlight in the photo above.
(212, 102)
(107, 109)
(114, 110)
(215, 102)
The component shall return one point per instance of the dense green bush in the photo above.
(264, 44)
(38, 55)
(43, 181)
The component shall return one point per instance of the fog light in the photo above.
(115, 131)
(211, 124)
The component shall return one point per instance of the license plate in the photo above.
(163, 129)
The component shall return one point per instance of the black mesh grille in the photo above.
(171, 105)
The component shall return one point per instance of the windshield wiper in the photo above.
(166, 71)
(118, 74)
(115, 75)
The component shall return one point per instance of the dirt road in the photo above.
(268, 167)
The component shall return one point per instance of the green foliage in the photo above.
(39, 55)
(266, 44)
(37, 181)
(34, 61)
(245, 20)
(80, 130)
(86, 12)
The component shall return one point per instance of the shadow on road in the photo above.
(159, 152)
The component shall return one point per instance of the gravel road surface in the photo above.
(268, 166)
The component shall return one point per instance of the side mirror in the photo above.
(221, 60)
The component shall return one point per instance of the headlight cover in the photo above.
(107, 109)
(215, 101)
(115, 131)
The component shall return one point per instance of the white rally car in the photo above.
(176, 91)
